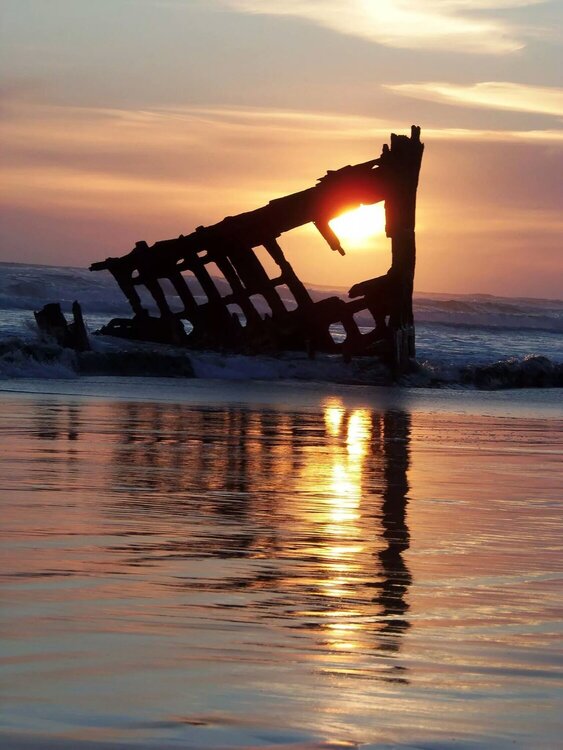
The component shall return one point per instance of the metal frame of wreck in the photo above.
(392, 178)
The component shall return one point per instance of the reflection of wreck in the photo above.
(291, 520)
(228, 315)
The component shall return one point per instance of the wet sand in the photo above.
(248, 565)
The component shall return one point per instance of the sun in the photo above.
(355, 228)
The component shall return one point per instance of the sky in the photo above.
(127, 120)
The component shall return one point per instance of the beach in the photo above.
(281, 375)
(220, 564)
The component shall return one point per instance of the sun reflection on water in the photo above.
(165, 558)
(334, 477)
(300, 515)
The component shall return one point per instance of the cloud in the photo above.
(491, 94)
(452, 25)
(81, 183)
(188, 154)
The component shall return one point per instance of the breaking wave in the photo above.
(485, 311)
(531, 371)
(42, 359)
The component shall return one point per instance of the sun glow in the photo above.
(355, 228)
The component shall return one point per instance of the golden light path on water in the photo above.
(339, 482)
(237, 575)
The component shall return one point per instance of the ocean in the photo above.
(277, 553)
(462, 340)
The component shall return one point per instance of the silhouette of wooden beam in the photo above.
(161, 268)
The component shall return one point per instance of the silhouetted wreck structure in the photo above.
(231, 316)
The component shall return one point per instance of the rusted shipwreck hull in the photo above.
(229, 247)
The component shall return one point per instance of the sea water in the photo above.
(458, 336)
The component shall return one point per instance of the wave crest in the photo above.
(42, 359)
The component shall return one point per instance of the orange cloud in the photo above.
(82, 183)
(515, 97)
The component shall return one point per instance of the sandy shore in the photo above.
(204, 564)
(290, 394)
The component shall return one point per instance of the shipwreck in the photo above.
(244, 311)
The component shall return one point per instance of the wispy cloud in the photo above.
(179, 145)
(453, 25)
(516, 97)
(80, 183)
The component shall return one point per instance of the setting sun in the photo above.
(356, 227)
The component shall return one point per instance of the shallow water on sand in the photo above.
(249, 575)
